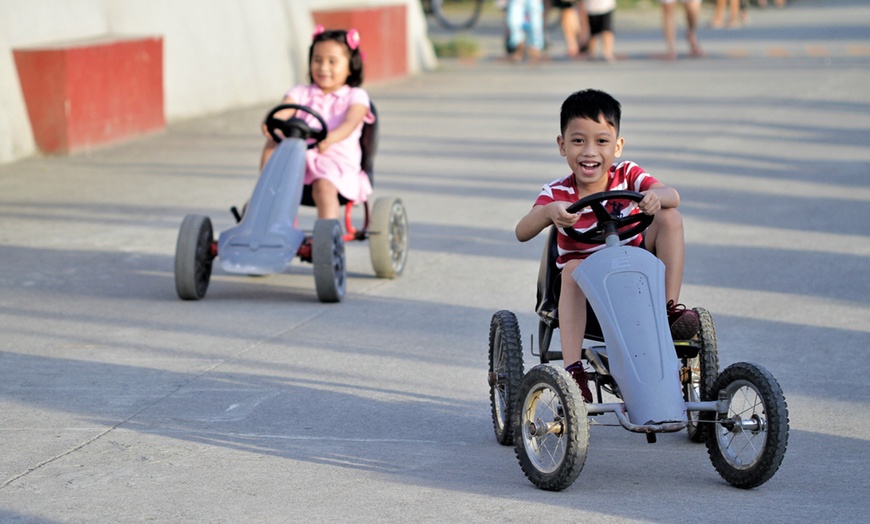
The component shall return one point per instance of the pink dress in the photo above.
(340, 164)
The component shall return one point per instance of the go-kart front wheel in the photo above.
(703, 371)
(550, 428)
(388, 237)
(505, 372)
(327, 254)
(747, 444)
(193, 257)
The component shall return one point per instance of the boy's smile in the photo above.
(590, 148)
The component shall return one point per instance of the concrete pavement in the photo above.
(121, 403)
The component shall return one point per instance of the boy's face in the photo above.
(590, 148)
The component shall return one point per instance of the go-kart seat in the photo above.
(368, 142)
(550, 286)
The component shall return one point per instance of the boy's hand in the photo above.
(556, 212)
(651, 203)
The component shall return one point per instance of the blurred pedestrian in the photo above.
(692, 9)
(600, 13)
(525, 23)
(778, 3)
(575, 26)
(737, 14)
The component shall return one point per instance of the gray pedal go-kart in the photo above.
(265, 239)
(660, 385)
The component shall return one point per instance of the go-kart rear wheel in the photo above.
(327, 254)
(505, 372)
(747, 444)
(388, 237)
(551, 430)
(193, 257)
(704, 369)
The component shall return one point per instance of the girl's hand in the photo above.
(266, 132)
(651, 203)
(284, 114)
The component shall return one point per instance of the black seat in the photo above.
(549, 289)
(368, 142)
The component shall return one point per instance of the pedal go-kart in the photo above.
(660, 384)
(265, 239)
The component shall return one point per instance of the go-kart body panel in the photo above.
(625, 287)
(265, 241)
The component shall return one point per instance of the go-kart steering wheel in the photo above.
(607, 223)
(295, 127)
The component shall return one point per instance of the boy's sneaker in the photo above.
(579, 375)
(685, 323)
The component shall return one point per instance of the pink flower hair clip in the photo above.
(353, 39)
(318, 31)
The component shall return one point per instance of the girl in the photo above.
(525, 16)
(333, 167)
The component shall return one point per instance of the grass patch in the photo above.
(458, 47)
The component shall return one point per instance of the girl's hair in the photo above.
(350, 40)
(591, 104)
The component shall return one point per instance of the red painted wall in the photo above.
(82, 95)
(383, 34)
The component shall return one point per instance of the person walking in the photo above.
(692, 9)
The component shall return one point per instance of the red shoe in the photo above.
(685, 323)
(579, 375)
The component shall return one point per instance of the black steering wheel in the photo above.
(607, 223)
(295, 127)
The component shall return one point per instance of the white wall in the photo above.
(217, 54)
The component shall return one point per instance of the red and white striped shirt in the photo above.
(623, 176)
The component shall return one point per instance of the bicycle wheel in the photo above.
(388, 240)
(505, 372)
(193, 257)
(550, 428)
(704, 369)
(456, 14)
(327, 253)
(747, 444)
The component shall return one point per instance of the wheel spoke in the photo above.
(741, 445)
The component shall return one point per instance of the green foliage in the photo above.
(458, 47)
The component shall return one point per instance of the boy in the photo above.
(601, 27)
(590, 143)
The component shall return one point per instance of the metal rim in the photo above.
(693, 388)
(742, 435)
(543, 428)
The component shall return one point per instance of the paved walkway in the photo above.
(768, 34)
(121, 403)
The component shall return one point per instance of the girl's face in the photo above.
(330, 65)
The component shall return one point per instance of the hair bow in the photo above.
(317, 31)
(353, 39)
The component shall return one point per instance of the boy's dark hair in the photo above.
(593, 105)
(355, 79)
